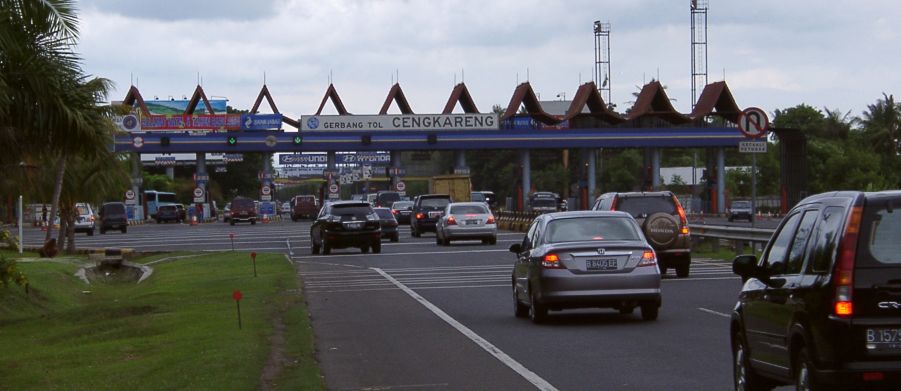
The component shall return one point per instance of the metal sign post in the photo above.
(753, 123)
(21, 217)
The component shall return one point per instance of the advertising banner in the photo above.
(191, 122)
(179, 106)
(302, 159)
(261, 121)
(399, 122)
(375, 158)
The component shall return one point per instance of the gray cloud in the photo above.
(178, 10)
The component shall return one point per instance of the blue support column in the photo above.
(330, 167)
(460, 161)
(592, 173)
(136, 182)
(721, 182)
(525, 161)
(655, 169)
(200, 171)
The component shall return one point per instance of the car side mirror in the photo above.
(745, 266)
(516, 248)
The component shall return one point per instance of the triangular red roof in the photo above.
(524, 95)
(264, 92)
(653, 102)
(716, 96)
(195, 100)
(332, 93)
(134, 96)
(396, 94)
(460, 94)
(588, 94)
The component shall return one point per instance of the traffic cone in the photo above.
(193, 220)
(265, 219)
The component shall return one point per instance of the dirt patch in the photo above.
(277, 359)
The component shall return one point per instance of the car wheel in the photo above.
(364, 249)
(743, 375)
(102, 231)
(485, 241)
(253, 222)
(124, 229)
(519, 309)
(662, 269)
(684, 266)
(326, 249)
(315, 247)
(438, 240)
(730, 219)
(232, 222)
(537, 311)
(649, 310)
(91, 232)
(377, 248)
(626, 310)
(493, 240)
(804, 381)
(395, 237)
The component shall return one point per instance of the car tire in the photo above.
(326, 249)
(537, 311)
(315, 247)
(159, 221)
(377, 248)
(493, 240)
(684, 266)
(102, 231)
(253, 222)
(485, 241)
(438, 240)
(649, 310)
(124, 229)
(731, 218)
(743, 376)
(91, 232)
(364, 249)
(626, 310)
(662, 269)
(520, 310)
(395, 238)
(804, 379)
(232, 222)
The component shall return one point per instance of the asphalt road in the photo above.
(423, 317)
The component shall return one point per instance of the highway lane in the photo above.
(376, 325)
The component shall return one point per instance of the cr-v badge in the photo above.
(889, 305)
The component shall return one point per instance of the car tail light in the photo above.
(551, 261)
(873, 376)
(843, 279)
(451, 220)
(394, 211)
(420, 216)
(91, 219)
(648, 258)
(682, 218)
(490, 219)
(613, 204)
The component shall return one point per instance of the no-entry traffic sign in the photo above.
(400, 186)
(753, 122)
(333, 188)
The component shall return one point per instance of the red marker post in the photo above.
(253, 257)
(237, 296)
(231, 236)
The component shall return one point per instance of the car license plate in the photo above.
(602, 264)
(435, 214)
(353, 225)
(882, 339)
(472, 222)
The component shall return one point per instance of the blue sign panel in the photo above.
(520, 122)
(261, 121)
(267, 208)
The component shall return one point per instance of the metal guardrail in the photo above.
(742, 234)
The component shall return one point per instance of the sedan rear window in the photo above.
(351, 210)
(591, 229)
(384, 213)
(434, 203)
(468, 209)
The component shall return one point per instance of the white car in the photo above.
(466, 221)
(85, 219)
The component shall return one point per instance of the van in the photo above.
(384, 199)
(821, 308)
(113, 216)
(304, 206)
(243, 210)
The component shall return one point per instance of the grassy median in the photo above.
(176, 330)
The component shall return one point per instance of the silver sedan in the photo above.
(466, 221)
(585, 259)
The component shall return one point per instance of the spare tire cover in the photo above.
(661, 229)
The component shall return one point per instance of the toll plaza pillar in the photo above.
(460, 162)
(592, 175)
(721, 183)
(331, 172)
(137, 180)
(655, 169)
(200, 180)
(170, 173)
(395, 169)
(526, 163)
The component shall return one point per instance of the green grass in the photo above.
(725, 252)
(176, 330)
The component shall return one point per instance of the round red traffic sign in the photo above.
(266, 190)
(333, 188)
(753, 122)
(237, 295)
(198, 192)
(400, 186)
(129, 195)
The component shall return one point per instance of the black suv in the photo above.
(343, 224)
(822, 306)
(427, 209)
(113, 216)
(663, 222)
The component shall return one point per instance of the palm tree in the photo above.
(880, 125)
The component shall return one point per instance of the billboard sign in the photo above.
(261, 121)
(179, 106)
(302, 159)
(378, 158)
(191, 122)
(329, 123)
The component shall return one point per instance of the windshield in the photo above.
(434, 203)
(402, 205)
(167, 197)
(357, 211)
(544, 202)
(477, 197)
(468, 209)
(741, 204)
(591, 229)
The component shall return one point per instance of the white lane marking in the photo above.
(700, 279)
(409, 253)
(530, 376)
(290, 250)
(394, 288)
(714, 312)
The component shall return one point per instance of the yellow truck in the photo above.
(458, 186)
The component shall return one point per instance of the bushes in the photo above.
(9, 273)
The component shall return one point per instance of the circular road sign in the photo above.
(333, 188)
(271, 141)
(130, 195)
(198, 192)
(138, 142)
(266, 190)
(753, 122)
(400, 186)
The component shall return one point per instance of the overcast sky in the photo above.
(773, 54)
